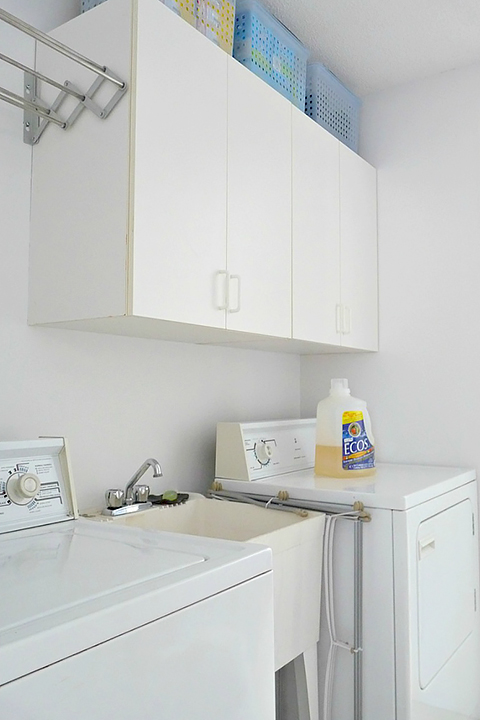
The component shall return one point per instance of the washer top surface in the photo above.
(71, 585)
(67, 565)
(394, 487)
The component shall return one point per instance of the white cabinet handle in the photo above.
(346, 320)
(425, 546)
(343, 319)
(338, 319)
(221, 289)
(237, 308)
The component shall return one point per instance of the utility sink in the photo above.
(296, 541)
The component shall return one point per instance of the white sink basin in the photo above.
(296, 543)
(211, 518)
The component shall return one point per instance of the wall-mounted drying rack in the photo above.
(38, 114)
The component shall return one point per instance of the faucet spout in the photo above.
(157, 472)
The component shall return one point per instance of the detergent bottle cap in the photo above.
(339, 386)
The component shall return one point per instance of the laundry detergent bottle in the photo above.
(344, 439)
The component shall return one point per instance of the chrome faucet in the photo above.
(157, 472)
(121, 502)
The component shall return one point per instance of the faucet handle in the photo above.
(114, 498)
(141, 493)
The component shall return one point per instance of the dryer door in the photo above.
(446, 586)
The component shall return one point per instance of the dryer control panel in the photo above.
(35, 484)
(251, 451)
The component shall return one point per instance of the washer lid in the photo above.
(66, 587)
(70, 566)
(394, 487)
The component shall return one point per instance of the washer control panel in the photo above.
(250, 451)
(35, 484)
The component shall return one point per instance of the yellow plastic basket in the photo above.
(213, 18)
(216, 20)
(185, 8)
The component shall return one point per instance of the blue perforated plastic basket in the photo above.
(330, 104)
(270, 50)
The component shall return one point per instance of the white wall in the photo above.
(423, 387)
(118, 400)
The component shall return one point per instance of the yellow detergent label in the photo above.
(352, 416)
(358, 452)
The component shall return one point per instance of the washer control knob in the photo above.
(22, 487)
(263, 452)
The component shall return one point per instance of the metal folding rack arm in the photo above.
(38, 114)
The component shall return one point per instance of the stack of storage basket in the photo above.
(264, 45)
(273, 53)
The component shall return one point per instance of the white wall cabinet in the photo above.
(129, 215)
(315, 232)
(334, 238)
(259, 205)
(178, 175)
(358, 233)
(173, 218)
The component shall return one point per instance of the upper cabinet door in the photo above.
(259, 205)
(316, 232)
(179, 142)
(358, 229)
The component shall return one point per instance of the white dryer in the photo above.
(112, 622)
(421, 658)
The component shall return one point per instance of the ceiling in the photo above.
(372, 45)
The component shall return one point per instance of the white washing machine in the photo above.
(420, 646)
(112, 622)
